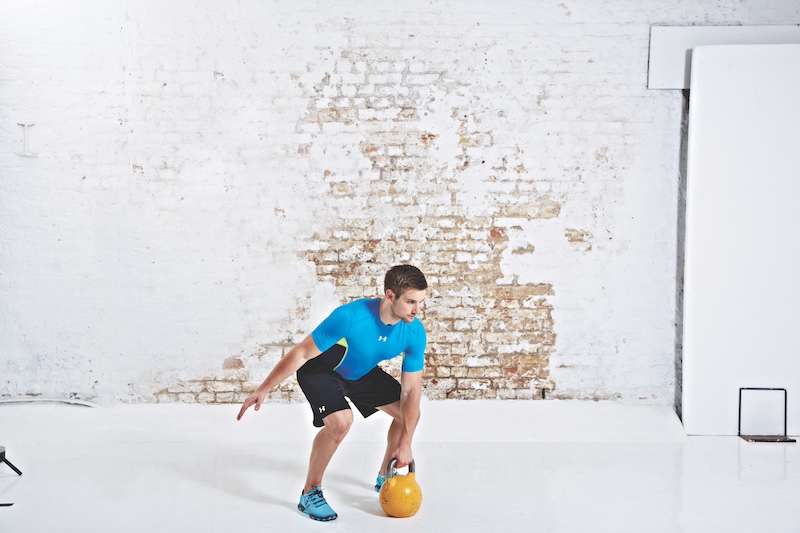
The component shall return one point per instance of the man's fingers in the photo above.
(244, 408)
(247, 403)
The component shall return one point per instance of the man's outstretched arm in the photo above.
(288, 365)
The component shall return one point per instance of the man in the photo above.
(340, 359)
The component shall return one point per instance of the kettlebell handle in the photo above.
(390, 468)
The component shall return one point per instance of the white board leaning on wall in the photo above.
(742, 269)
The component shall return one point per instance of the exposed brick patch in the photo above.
(229, 386)
(580, 239)
(488, 337)
(232, 363)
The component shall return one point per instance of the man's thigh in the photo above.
(324, 389)
(374, 391)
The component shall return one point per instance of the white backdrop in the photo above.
(742, 285)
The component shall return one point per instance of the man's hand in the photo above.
(403, 455)
(257, 398)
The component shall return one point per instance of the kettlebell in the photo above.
(401, 496)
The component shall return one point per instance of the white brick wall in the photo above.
(191, 153)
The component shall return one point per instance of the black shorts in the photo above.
(326, 389)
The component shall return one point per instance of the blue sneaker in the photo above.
(313, 504)
(380, 480)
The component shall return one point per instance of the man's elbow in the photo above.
(411, 398)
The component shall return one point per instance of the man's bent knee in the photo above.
(338, 423)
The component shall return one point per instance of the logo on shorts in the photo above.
(322, 409)
(382, 339)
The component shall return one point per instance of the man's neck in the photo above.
(386, 315)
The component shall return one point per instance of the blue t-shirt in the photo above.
(354, 340)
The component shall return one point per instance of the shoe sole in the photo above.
(303, 510)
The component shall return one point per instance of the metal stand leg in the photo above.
(14, 468)
(6, 461)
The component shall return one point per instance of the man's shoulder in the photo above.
(360, 307)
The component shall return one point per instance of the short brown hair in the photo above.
(400, 278)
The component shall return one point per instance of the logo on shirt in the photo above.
(322, 409)
(381, 338)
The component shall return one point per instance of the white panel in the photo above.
(742, 271)
(671, 47)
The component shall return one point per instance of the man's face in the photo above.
(407, 305)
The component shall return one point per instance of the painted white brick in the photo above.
(366, 90)
(380, 79)
(323, 103)
(422, 79)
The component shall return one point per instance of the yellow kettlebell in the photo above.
(401, 496)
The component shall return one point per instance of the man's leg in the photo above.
(325, 444)
(393, 436)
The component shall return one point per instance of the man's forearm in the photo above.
(289, 364)
(410, 413)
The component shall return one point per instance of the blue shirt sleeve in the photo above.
(332, 329)
(414, 358)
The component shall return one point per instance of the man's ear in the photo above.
(390, 296)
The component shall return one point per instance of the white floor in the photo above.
(482, 466)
